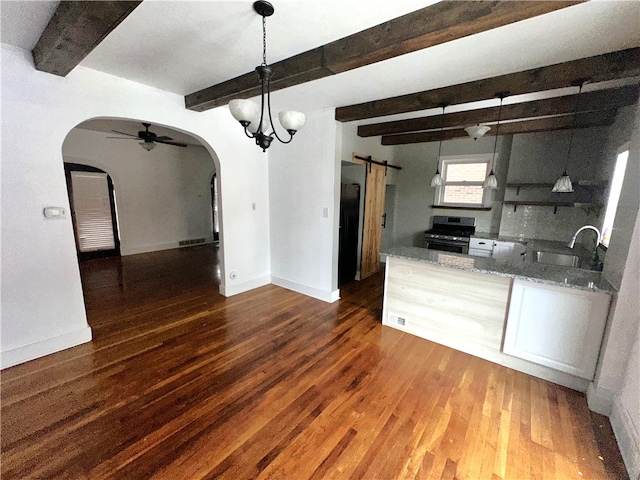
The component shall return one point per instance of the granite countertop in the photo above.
(514, 266)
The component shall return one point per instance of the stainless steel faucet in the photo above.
(572, 243)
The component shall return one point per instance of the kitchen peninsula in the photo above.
(544, 320)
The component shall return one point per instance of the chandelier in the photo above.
(257, 120)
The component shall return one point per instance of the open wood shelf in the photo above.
(481, 209)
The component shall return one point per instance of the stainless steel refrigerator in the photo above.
(348, 238)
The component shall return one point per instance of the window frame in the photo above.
(445, 160)
(608, 220)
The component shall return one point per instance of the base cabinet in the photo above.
(558, 327)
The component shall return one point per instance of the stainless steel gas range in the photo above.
(450, 234)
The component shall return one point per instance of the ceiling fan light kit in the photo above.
(477, 131)
(148, 146)
(257, 119)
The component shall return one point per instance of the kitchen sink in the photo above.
(561, 259)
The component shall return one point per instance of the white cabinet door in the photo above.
(480, 247)
(558, 327)
(502, 249)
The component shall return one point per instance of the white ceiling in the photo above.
(184, 46)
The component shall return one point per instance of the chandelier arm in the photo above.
(273, 127)
(247, 133)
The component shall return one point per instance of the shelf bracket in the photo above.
(515, 207)
(517, 191)
(555, 210)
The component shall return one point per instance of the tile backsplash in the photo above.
(537, 222)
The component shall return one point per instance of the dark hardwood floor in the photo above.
(182, 383)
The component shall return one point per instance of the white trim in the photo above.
(627, 436)
(599, 399)
(230, 290)
(327, 296)
(42, 348)
(458, 159)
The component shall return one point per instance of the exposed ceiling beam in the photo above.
(433, 25)
(589, 101)
(75, 29)
(547, 124)
(610, 66)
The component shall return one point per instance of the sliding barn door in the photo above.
(372, 227)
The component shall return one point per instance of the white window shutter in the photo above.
(92, 211)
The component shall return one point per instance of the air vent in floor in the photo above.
(395, 319)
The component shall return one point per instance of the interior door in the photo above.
(373, 219)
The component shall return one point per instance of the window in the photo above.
(614, 194)
(462, 178)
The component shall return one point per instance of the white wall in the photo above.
(629, 202)
(162, 196)
(614, 391)
(42, 304)
(540, 158)
(304, 179)
(415, 196)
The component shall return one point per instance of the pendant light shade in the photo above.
(244, 110)
(563, 184)
(148, 146)
(491, 182)
(257, 119)
(436, 180)
(477, 131)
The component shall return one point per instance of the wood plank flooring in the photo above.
(181, 383)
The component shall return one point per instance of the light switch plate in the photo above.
(54, 212)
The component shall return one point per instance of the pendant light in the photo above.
(255, 119)
(491, 182)
(563, 184)
(436, 181)
(477, 131)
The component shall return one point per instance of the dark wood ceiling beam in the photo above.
(548, 124)
(439, 23)
(75, 29)
(610, 66)
(589, 101)
(301, 68)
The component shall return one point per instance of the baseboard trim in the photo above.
(599, 399)
(124, 251)
(32, 351)
(327, 296)
(230, 290)
(627, 437)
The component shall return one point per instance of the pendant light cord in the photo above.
(575, 122)
(441, 128)
(495, 142)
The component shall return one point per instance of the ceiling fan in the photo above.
(149, 139)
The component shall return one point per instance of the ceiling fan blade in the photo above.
(163, 138)
(125, 133)
(168, 142)
(124, 138)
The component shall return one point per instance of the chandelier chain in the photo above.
(264, 41)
